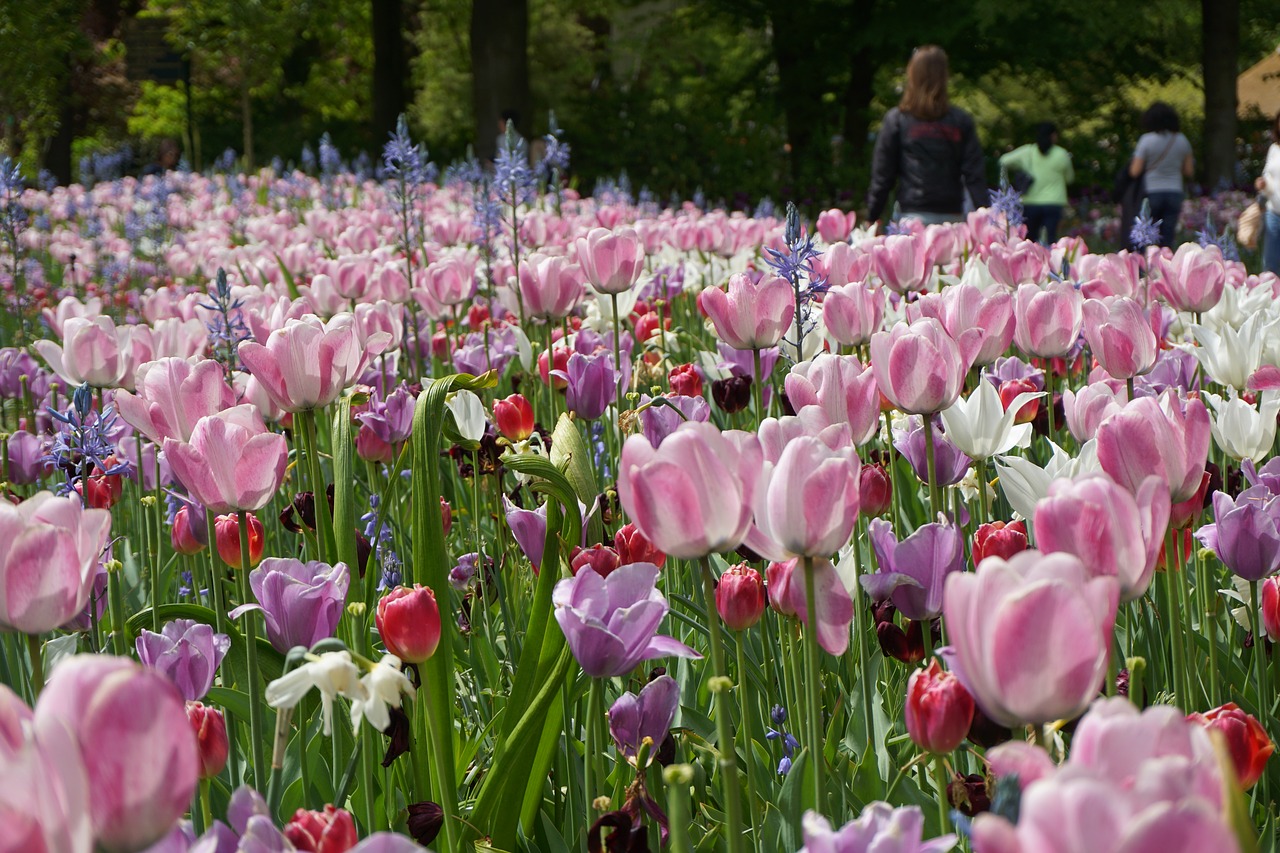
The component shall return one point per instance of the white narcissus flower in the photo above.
(468, 415)
(1024, 482)
(1230, 355)
(332, 673)
(383, 686)
(1241, 430)
(981, 427)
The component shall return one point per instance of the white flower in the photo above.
(1239, 429)
(977, 274)
(332, 673)
(969, 487)
(468, 414)
(814, 335)
(1230, 355)
(980, 426)
(1024, 483)
(383, 686)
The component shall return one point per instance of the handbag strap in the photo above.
(1172, 139)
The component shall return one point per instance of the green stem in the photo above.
(864, 650)
(724, 729)
(1259, 650)
(324, 515)
(595, 705)
(251, 647)
(940, 779)
(748, 705)
(677, 778)
(115, 600)
(37, 665)
(984, 502)
(813, 677)
(935, 505)
(757, 388)
(617, 365)
(215, 576)
(205, 805)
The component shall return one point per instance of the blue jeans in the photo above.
(1166, 206)
(1042, 217)
(1271, 242)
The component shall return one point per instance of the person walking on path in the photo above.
(1164, 161)
(1269, 185)
(1048, 165)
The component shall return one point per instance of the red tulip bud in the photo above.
(330, 831)
(446, 515)
(226, 534)
(740, 597)
(189, 535)
(211, 738)
(600, 558)
(633, 547)
(685, 381)
(440, 345)
(1247, 742)
(1182, 515)
(647, 325)
(477, 316)
(939, 709)
(514, 417)
(1271, 608)
(1011, 389)
(370, 448)
(876, 490)
(999, 539)
(561, 357)
(101, 491)
(408, 621)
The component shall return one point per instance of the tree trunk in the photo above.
(390, 68)
(246, 117)
(801, 80)
(57, 158)
(857, 112)
(1220, 49)
(499, 69)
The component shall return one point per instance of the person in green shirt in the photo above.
(1049, 166)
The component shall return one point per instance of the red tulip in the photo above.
(408, 621)
(600, 558)
(876, 490)
(633, 547)
(1271, 608)
(188, 531)
(514, 417)
(740, 597)
(1010, 389)
(939, 709)
(1246, 740)
(560, 363)
(211, 738)
(330, 831)
(999, 539)
(226, 534)
(685, 381)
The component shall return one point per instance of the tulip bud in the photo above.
(939, 709)
(999, 539)
(1271, 608)
(440, 345)
(477, 316)
(634, 547)
(1184, 514)
(101, 491)
(1246, 740)
(330, 831)
(408, 621)
(779, 577)
(446, 515)
(646, 326)
(425, 822)
(876, 490)
(190, 533)
(371, 448)
(560, 358)
(685, 381)
(1010, 389)
(226, 533)
(600, 558)
(211, 738)
(740, 597)
(732, 395)
(514, 417)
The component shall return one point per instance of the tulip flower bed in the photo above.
(347, 514)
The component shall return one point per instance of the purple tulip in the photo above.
(1012, 367)
(648, 715)
(660, 420)
(913, 572)
(27, 462)
(1246, 532)
(592, 383)
(880, 827)
(15, 364)
(610, 623)
(950, 464)
(529, 527)
(188, 652)
(391, 419)
(302, 602)
(1268, 475)
(1175, 368)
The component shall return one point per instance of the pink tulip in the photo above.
(232, 462)
(1030, 636)
(750, 316)
(1110, 275)
(1115, 534)
(693, 495)
(49, 561)
(844, 390)
(142, 767)
(981, 323)
(1166, 436)
(549, 286)
(308, 363)
(831, 599)
(1120, 336)
(918, 367)
(451, 280)
(1087, 408)
(852, 313)
(902, 262)
(1048, 318)
(843, 264)
(834, 225)
(611, 261)
(93, 350)
(1026, 262)
(806, 502)
(172, 395)
(1193, 279)
(44, 801)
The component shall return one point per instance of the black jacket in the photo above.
(932, 162)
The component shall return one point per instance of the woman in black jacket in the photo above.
(928, 148)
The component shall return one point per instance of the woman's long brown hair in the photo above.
(925, 96)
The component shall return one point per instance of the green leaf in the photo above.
(344, 498)
(288, 277)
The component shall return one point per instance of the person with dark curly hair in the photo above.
(1163, 160)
